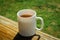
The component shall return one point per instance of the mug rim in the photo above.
(18, 13)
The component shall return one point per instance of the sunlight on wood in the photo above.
(9, 28)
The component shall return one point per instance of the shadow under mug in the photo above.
(27, 26)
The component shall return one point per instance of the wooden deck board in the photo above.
(9, 28)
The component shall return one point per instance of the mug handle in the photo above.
(42, 23)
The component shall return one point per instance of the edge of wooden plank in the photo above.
(15, 23)
(48, 35)
(4, 18)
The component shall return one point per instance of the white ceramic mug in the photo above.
(27, 26)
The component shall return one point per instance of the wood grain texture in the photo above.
(9, 28)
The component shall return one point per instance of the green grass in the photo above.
(49, 10)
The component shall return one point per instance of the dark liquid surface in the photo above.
(26, 15)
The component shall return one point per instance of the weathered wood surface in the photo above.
(9, 28)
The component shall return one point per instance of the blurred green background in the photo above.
(49, 10)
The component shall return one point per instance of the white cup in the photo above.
(27, 26)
